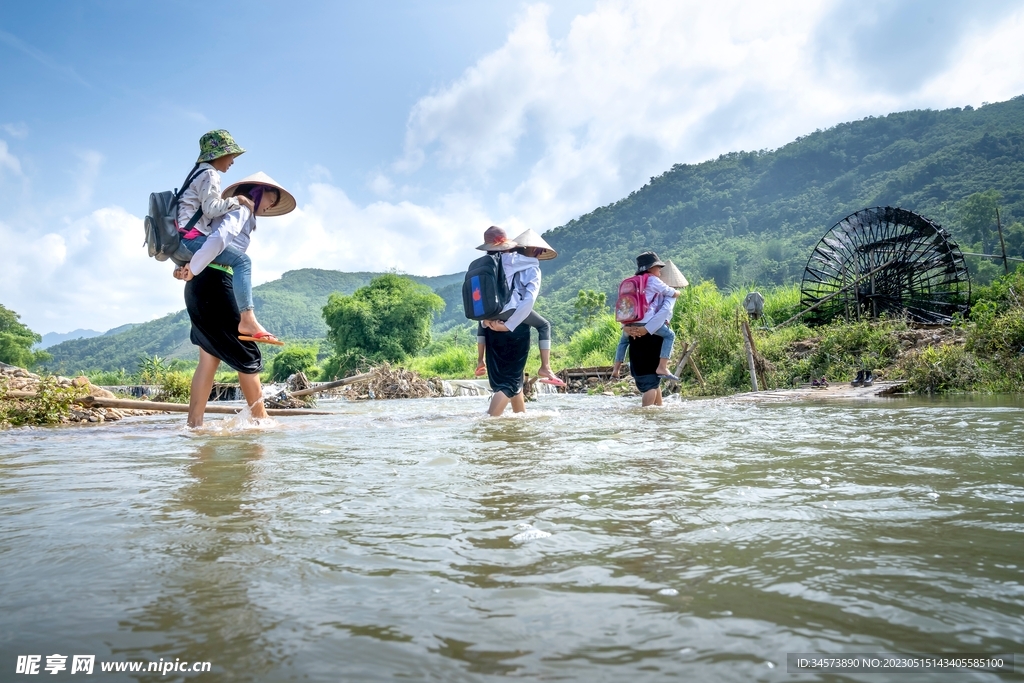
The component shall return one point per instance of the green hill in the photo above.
(289, 306)
(753, 217)
(745, 218)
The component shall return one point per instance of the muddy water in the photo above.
(591, 541)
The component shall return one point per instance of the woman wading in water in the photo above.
(505, 351)
(214, 311)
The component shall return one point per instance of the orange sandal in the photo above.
(262, 338)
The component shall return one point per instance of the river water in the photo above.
(591, 541)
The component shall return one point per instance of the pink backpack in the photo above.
(632, 302)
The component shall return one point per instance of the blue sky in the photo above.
(406, 128)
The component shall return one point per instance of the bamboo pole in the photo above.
(1002, 244)
(94, 402)
(835, 293)
(333, 385)
(1008, 258)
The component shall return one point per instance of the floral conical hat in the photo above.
(532, 239)
(671, 276)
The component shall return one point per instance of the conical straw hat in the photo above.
(532, 239)
(671, 276)
(284, 205)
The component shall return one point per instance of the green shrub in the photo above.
(594, 345)
(451, 363)
(176, 387)
(938, 369)
(291, 360)
(50, 405)
(385, 321)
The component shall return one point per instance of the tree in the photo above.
(293, 359)
(387, 320)
(16, 341)
(978, 216)
(589, 304)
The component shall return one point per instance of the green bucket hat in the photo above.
(216, 144)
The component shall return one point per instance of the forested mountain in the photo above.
(753, 217)
(746, 218)
(289, 307)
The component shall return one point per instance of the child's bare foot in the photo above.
(545, 376)
(248, 325)
(251, 330)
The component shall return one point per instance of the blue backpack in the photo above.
(485, 291)
(163, 237)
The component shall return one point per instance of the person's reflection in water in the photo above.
(203, 612)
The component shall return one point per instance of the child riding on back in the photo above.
(228, 240)
(661, 300)
(521, 264)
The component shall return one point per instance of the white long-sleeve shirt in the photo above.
(204, 191)
(233, 230)
(525, 288)
(661, 300)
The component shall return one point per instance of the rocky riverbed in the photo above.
(27, 398)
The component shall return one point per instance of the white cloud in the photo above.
(91, 273)
(8, 161)
(637, 86)
(332, 232)
(18, 131)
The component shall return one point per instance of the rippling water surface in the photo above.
(590, 541)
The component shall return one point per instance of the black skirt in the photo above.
(211, 306)
(506, 359)
(644, 356)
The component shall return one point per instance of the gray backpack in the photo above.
(163, 238)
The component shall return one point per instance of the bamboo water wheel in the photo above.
(886, 260)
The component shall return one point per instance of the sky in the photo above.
(404, 129)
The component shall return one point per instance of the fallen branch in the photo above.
(333, 385)
(93, 402)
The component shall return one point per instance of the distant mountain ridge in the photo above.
(745, 218)
(51, 338)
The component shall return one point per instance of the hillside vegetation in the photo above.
(745, 219)
(291, 307)
(753, 217)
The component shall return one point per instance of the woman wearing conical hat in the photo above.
(523, 276)
(218, 293)
(228, 240)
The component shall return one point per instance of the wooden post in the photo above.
(687, 352)
(693, 366)
(748, 343)
(1002, 244)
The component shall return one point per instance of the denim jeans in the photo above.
(668, 339)
(239, 262)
